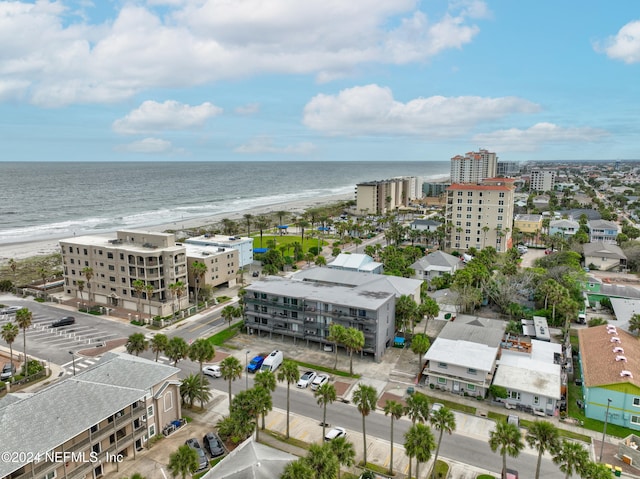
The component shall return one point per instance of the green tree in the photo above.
(420, 344)
(365, 398)
(88, 274)
(24, 318)
(148, 291)
(320, 260)
(325, 394)
(158, 344)
(248, 218)
(322, 460)
(201, 351)
(571, 457)
(13, 265)
(418, 443)
(177, 349)
(261, 404)
(267, 381)
(343, 451)
(506, 438)
(194, 387)
(417, 408)
(634, 323)
(297, 469)
(183, 462)
(594, 470)
(430, 309)
(229, 312)
(543, 436)
(406, 312)
(199, 270)
(138, 287)
(353, 341)
(80, 284)
(230, 369)
(177, 290)
(262, 222)
(136, 344)
(337, 333)
(443, 420)
(9, 333)
(288, 372)
(396, 411)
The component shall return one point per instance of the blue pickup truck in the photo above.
(255, 364)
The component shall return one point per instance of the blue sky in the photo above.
(322, 80)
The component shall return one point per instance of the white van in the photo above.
(273, 361)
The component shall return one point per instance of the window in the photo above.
(635, 419)
(168, 401)
(472, 371)
(112, 267)
(112, 279)
(469, 208)
(513, 395)
(150, 411)
(442, 381)
(501, 202)
(442, 365)
(636, 402)
(469, 193)
(500, 210)
(501, 195)
(50, 475)
(499, 218)
(94, 428)
(469, 202)
(152, 430)
(459, 208)
(96, 448)
(459, 193)
(471, 387)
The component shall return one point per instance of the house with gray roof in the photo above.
(425, 225)
(604, 256)
(565, 228)
(603, 230)
(436, 264)
(357, 262)
(71, 428)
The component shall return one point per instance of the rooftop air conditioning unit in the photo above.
(626, 374)
(612, 331)
(621, 358)
(615, 339)
(618, 349)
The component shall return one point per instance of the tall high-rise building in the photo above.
(542, 179)
(378, 197)
(473, 167)
(480, 215)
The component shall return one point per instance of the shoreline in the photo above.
(31, 248)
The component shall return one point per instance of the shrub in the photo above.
(6, 285)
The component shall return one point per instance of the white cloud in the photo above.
(63, 59)
(248, 109)
(625, 45)
(152, 116)
(372, 110)
(265, 144)
(537, 136)
(147, 145)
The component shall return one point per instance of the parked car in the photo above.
(436, 407)
(193, 443)
(10, 309)
(212, 371)
(306, 379)
(255, 364)
(522, 249)
(66, 321)
(510, 474)
(213, 444)
(335, 433)
(273, 361)
(319, 381)
(8, 370)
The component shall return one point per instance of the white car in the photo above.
(319, 381)
(436, 407)
(335, 433)
(213, 371)
(10, 310)
(306, 379)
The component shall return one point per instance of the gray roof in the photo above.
(357, 297)
(251, 460)
(65, 409)
(528, 218)
(475, 331)
(467, 354)
(564, 224)
(610, 225)
(426, 223)
(591, 214)
(437, 258)
(603, 250)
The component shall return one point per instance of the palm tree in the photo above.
(442, 420)
(289, 373)
(201, 351)
(138, 287)
(507, 438)
(14, 266)
(231, 369)
(571, 457)
(417, 408)
(24, 317)
(177, 290)
(322, 461)
(343, 451)
(148, 291)
(183, 462)
(88, 274)
(396, 411)
(267, 381)
(594, 470)
(158, 344)
(136, 344)
(326, 394)
(353, 341)
(418, 443)
(337, 333)
(430, 309)
(543, 436)
(248, 218)
(420, 344)
(43, 272)
(228, 313)
(365, 398)
(262, 404)
(297, 469)
(281, 215)
(189, 388)
(9, 333)
(199, 270)
(80, 284)
(262, 222)
(177, 349)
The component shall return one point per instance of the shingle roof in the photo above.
(437, 258)
(603, 224)
(599, 365)
(476, 333)
(604, 250)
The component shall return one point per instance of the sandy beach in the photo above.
(27, 248)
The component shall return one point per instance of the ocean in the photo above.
(51, 200)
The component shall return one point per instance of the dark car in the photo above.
(66, 321)
(193, 443)
(213, 444)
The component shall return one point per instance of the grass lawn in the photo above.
(324, 369)
(223, 336)
(441, 469)
(451, 405)
(287, 240)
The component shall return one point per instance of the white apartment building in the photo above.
(480, 215)
(244, 245)
(116, 263)
(542, 179)
(222, 265)
(473, 167)
(379, 197)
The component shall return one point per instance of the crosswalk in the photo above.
(80, 363)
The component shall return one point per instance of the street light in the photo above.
(604, 431)
(246, 369)
(73, 360)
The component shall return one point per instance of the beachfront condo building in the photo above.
(116, 263)
(479, 215)
(542, 179)
(384, 196)
(244, 245)
(90, 424)
(473, 167)
(221, 266)
(302, 311)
